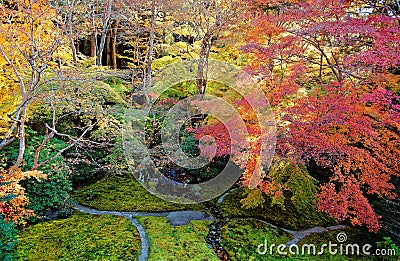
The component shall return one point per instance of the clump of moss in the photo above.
(80, 237)
(288, 217)
(125, 194)
(169, 243)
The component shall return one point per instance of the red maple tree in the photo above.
(328, 69)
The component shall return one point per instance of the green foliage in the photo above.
(79, 103)
(169, 243)
(300, 188)
(8, 240)
(189, 145)
(124, 194)
(50, 193)
(241, 237)
(108, 129)
(80, 237)
(53, 192)
(106, 94)
(180, 91)
(254, 198)
(387, 244)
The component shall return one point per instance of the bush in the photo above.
(44, 194)
(8, 240)
(51, 193)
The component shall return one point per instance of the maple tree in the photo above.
(324, 66)
(208, 19)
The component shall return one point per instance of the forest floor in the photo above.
(217, 230)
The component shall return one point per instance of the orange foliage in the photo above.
(15, 209)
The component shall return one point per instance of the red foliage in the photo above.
(343, 119)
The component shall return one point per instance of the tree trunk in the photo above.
(74, 53)
(201, 81)
(93, 45)
(71, 32)
(106, 21)
(108, 49)
(21, 135)
(114, 46)
(147, 84)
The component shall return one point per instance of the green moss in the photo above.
(169, 243)
(241, 237)
(118, 85)
(163, 61)
(289, 217)
(354, 236)
(125, 194)
(80, 237)
(107, 94)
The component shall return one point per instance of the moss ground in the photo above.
(80, 237)
(125, 194)
(288, 218)
(241, 238)
(169, 243)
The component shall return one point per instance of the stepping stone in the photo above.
(181, 218)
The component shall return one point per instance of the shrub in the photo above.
(50, 193)
(8, 240)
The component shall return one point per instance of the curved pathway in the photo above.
(144, 249)
(299, 235)
(215, 234)
(175, 218)
(179, 218)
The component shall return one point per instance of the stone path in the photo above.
(299, 235)
(175, 218)
(180, 218)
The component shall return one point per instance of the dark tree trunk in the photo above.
(114, 46)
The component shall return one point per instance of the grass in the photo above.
(289, 218)
(80, 237)
(169, 243)
(125, 194)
